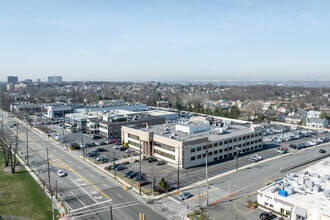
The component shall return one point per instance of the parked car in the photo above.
(128, 172)
(252, 160)
(132, 175)
(185, 195)
(267, 216)
(144, 182)
(151, 159)
(322, 151)
(161, 162)
(116, 147)
(95, 136)
(257, 156)
(92, 154)
(101, 150)
(115, 166)
(128, 150)
(294, 146)
(137, 177)
(61, 173)
(120, 167)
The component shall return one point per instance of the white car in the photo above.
(117, 147)
(61, 173)
(257, 156)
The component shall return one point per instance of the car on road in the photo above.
(322, 151)
(185, 195)
(161, 162)
(61, 173)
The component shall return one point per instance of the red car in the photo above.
(284, 148)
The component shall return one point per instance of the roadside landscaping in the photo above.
(21, 196)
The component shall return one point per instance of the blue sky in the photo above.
(165, 40)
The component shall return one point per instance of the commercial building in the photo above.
(112, 127)
(26, 107)
(12, 79)
(59, 110)
(90, 120)
(54, 78)
(300, 196)
(187, 141)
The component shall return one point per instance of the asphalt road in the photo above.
(86, 191)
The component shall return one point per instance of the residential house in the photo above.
(317, 122)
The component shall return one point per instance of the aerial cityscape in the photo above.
(156, 110)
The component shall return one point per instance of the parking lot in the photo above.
(192, 175)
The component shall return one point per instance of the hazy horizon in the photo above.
(165, 40)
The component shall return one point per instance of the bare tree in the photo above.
(253, 109)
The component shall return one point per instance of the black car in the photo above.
(115, 166)
(92, 154)
(94, 136)
(128, 172)
(144, 182)
(267, 216)
(132, 175)
(137, 177)
(322, 151)
(294, 146)
(151, 159)
(161, 162)
(120, 167)
(101, 150)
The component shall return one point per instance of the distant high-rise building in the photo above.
(38, 80)
(12, 79)
(54, 78)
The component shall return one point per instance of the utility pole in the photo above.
(238, 151)
(152, 185)
(2, 123)
(82, 146)
(48, 171)
(114, 164)
(53, 209)
(179, 170)
(140, 175)
(110, 211)
(27, 147)
(55, 188)
(207, 181)
(66, 144)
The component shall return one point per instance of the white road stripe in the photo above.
(174, 200)
(90, 206)
(85, 191)
(78, 198)
(119, 195)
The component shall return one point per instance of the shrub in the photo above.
(125, 156)
(135, 160)
(144, 157)
(74, 146)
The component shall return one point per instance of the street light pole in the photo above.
(82, 145)
(207, 181)
(140, 170)
(27, 147)
(48, 171)
(179, 170)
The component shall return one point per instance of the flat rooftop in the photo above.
(168, 129)
(303, 195)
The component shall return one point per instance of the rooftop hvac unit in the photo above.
(327, 193)
(327, 178)
(274, 189)
(316, 188)
(282, 193)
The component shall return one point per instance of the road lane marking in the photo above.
(66, 166)
(174, 200)
(119, 195)
(78, 199)
(202, 194)
(84, 191)
(100, 203)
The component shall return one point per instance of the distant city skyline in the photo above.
(165, 40)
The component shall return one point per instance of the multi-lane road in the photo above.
(87, 192)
